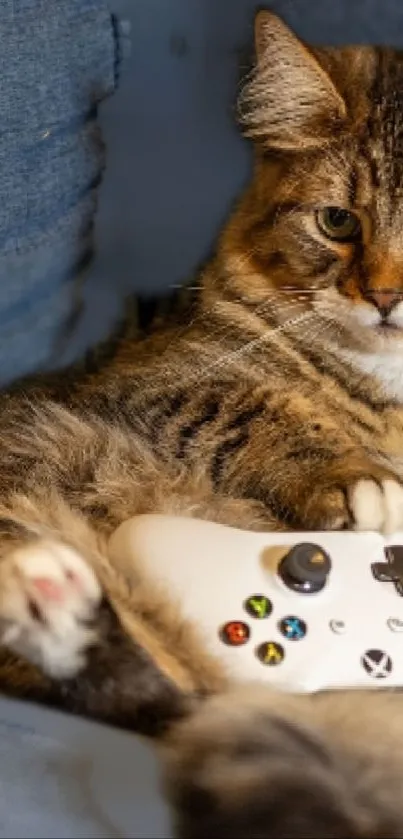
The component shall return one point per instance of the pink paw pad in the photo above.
(49, 589)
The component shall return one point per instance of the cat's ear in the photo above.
(290, 102)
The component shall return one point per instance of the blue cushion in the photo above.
(58, 61)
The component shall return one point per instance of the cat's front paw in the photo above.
(377, 506)
(49, 597)
(363, 503)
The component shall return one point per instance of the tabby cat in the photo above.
(274, 401)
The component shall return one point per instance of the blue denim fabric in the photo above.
(58, 61)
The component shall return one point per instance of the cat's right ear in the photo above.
(290, 102)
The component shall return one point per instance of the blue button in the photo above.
(293, 628)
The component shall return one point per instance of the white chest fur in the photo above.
(386, 368)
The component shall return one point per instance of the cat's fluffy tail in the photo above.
(256, 764)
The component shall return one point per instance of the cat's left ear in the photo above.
(290, 102)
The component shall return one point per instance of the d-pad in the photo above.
(390, 571)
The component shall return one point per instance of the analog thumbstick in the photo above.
(305, 568)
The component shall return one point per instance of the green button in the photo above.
(258, 606)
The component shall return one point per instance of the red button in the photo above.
(235, 633)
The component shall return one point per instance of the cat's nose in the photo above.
(385, 301)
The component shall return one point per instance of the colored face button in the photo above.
(293, 628)
(270, 653)
(235, 633)
(377, 663)
(258, 606)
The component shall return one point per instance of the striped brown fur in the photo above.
(255, 764)
(262, 403)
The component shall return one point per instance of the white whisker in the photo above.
(230, 357)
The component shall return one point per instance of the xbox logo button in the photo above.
(377, 664)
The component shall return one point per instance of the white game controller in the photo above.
(302, 611)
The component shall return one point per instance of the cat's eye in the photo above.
(338, 224)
